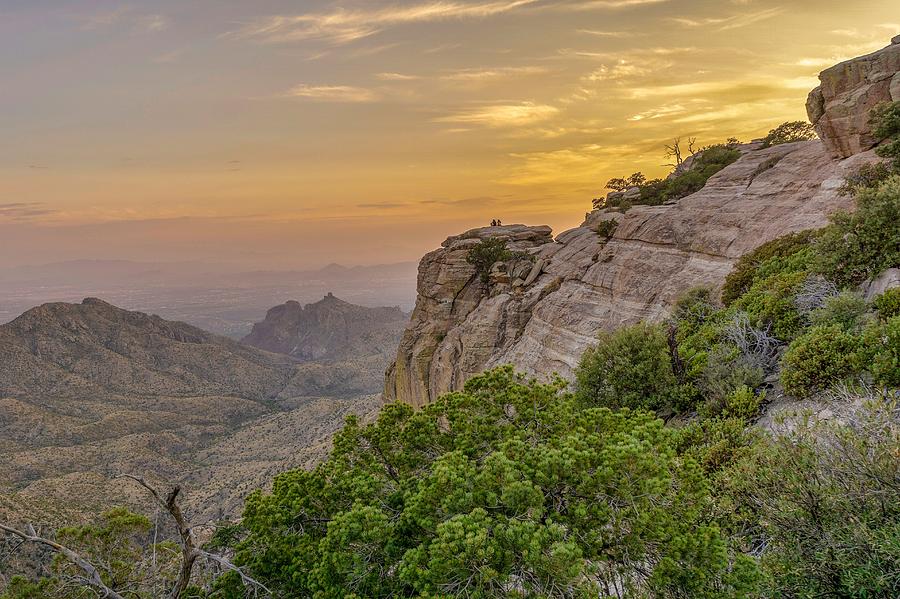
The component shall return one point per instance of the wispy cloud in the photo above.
(332, 93)
(658, 113)
(733, 22)
(126, 15)
(610, 4)
(343, 26)
(489, 74)
(23, 211)
(614, 34)
(503, 115)
(396, 77)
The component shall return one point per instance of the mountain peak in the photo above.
(330, 329)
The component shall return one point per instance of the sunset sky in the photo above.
(281, 134)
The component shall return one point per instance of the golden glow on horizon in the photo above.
(369, 130)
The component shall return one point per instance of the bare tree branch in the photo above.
(189, 550)
(92, 576)
(225, 563)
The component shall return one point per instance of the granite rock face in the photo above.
(586, 280)
(839, 108)
(580, 283)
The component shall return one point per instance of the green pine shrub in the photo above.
(888, 303)
(819, 358)
(628, 368)
(789, 132)
(860, 245)
(507, 488)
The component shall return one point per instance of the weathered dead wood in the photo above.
(92, 576)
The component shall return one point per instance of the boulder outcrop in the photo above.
(839, 108)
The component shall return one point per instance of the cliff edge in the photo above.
(541, 314)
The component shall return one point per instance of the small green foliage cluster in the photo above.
(487, 253)
(606, 228)
(789, 132)
(885, 122)
(683, 182)
(623, 183)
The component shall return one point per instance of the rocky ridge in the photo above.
(542, 318)
(328, 330)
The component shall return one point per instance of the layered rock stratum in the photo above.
(541, 316)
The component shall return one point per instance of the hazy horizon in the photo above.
(282, 135)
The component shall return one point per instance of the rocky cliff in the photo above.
(541, 316)
(329, 330)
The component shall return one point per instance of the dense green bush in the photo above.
(888, 303)
(789, 132)
(879, 351)
(819, 358)
(885, 121)
(747, 269)
(860, 245)
(847, 309)
(628, 368)
(506, 489)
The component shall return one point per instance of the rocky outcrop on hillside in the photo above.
(542, 318)
(839, 108)
(329, 330)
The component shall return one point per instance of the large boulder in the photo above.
(839, 108)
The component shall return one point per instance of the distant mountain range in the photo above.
(214, 297)
(90, 390)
